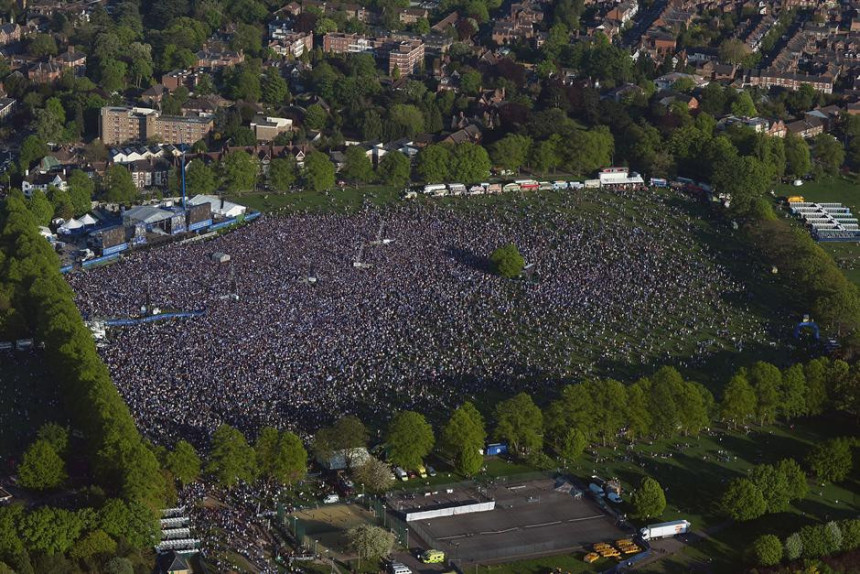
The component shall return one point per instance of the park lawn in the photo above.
(696, 476)
(844, 190)
(346, 200)
(28, 401)
(566, 562)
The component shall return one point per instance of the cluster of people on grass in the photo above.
(318, 315)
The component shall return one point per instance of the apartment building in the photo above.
(119, 124)
(407, 57)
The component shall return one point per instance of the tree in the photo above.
(32, 149)
(733, 51)
(797, 158)
(287, 461)
(831, 460)
(315, 117)
(55, 435)
(118, 565)
(393, 169)
(793, 547)
(51, 530)
(744, 106)
(370, 542)
(766, 550)
(274, 88)
(743, 500)
(199, 178)
(47, 126)
(507, 261)
(40, 207)
(794, 391)
(319, 171)
(470, 163)
(434, 163)
(282, 173)
(767, 381)
(463, 437)
(239, 172)
(828, 153)
(648, 500)
(739, 400)
(231, 459)
(95, 543)
(131, 521)
(797, 485)
(42, 45)
(345, 436)
(544, 156)
(183, 463)
(61, 202)
(511, 152)
(118, 186)
(773, 485)
(41, 467)
(520, 422)
(820, 540)
(81, 189)
(405, 120)
(375, 475)
(358, 166)
(409, 438)
(744, 178)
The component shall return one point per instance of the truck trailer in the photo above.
(665, 529)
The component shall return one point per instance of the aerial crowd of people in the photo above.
(315, 316)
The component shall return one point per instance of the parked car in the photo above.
(331, 499)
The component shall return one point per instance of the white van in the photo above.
(401, 474)
(399, 568)
(331, 499)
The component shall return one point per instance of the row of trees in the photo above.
(813, 541)
(769, 489)
(38, 302)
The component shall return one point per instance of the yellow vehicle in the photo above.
(591, 557)
(609, 552)
(601, 546)
(432, 557)
(624, 542)
(633, 549)
(422, 472)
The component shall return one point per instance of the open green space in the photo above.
(347, 200)
(700, 468)
(844, 190)
(27, 402)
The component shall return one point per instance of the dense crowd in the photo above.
(616, 281)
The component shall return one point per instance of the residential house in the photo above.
(146, 173)
(342, 43)
(9, 33)
(45, 72)
(469, 134)
(72, 60)
(446, 23)
(412, 15)
(768, 78)
(186, 78)
(42, 181)
(212, 59)
(7, 105)
(806, 128)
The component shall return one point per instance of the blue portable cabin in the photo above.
(496, 449)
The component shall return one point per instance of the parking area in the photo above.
(530, 519)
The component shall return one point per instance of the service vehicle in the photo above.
(591, 557)
(664, 529)
(399, 568)
(432, 557)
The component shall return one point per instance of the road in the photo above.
(631, 37)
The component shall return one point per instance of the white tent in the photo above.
(71, 225)
(88, 220)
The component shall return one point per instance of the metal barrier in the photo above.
(104, 259)
(152, 318)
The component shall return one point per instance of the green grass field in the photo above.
(27, 402)
(347, 200)
(845, 190)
